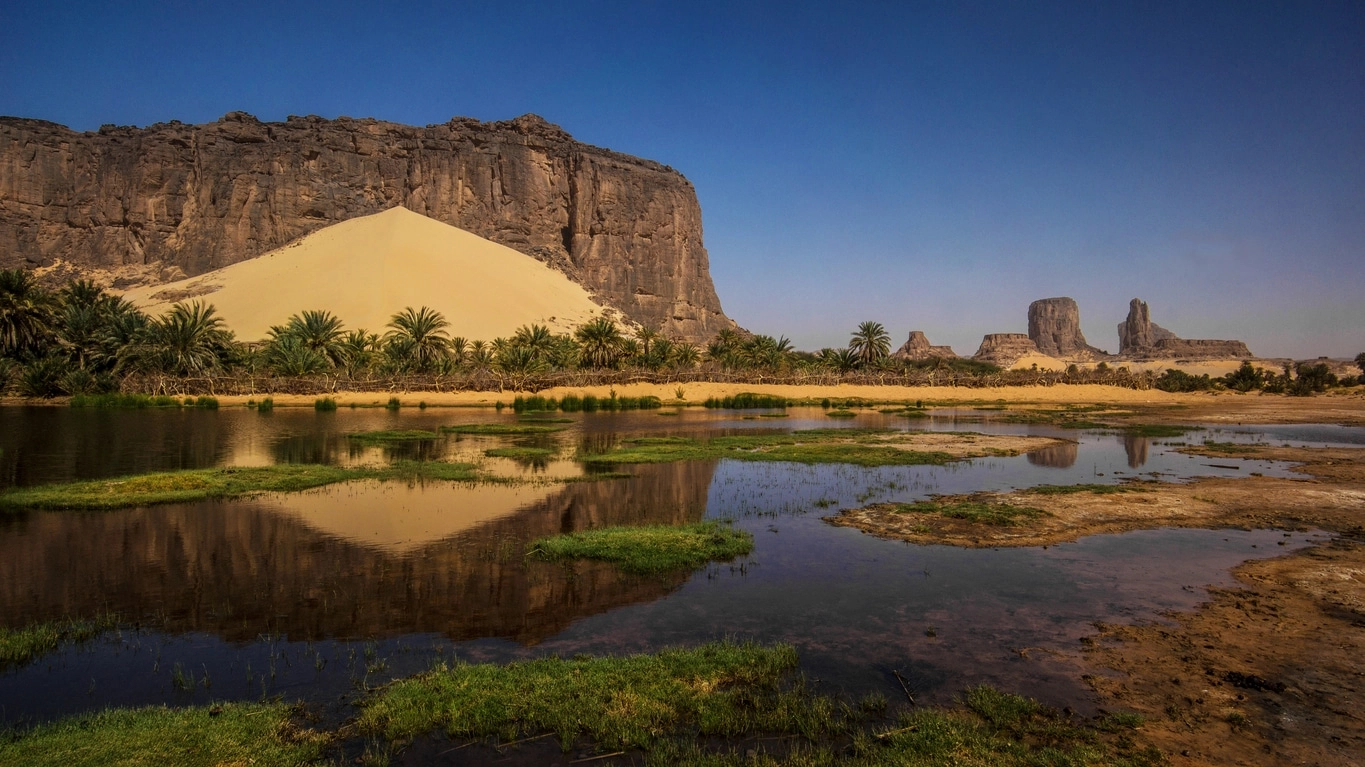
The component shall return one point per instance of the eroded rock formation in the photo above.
(1140, 338)
(172, 200)
(917, 347)
(1054, 325)
(1004, 349)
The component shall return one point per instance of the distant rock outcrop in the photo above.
(917, 347)
(1005, 349)
(1054, 325)
(1140, 338)
(174, 200)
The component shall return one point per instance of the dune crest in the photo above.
(368, 268)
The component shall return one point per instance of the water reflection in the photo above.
(1136, 447)
(351, 561)
(1060, 456)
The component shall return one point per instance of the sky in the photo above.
(931, 166)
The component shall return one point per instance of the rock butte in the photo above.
(917, 347)
(369, 268)
(131, 206)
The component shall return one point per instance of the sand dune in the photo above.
(366, 269)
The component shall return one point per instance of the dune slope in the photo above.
(367, 269)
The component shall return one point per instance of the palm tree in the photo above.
(25, 314)
(292, 356)
(320, 331)
(188, 340)
(686, 355)
(537, 338)
(357, 350)
(601, 341)
(459, 349)
(420, 334)
(870, 343)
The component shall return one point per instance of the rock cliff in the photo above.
(1140, 338)
(1005, 349)
(1054, 325)
(172, 200)
(917, 347)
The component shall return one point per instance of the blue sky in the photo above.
(931, 166)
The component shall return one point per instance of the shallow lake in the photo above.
(319, 594)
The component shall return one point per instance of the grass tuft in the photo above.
(391, 436)
(22, 645)
(203, 736)
(975, 512)
(651, 549)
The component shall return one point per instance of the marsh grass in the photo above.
(1094, 489)
(975, 512)
(862, 447)
(325, 404)
(746, 401)
(391, 436)
(841, 414)
(22, 645)
(224, 482)
(204, 736)
(648, 550)
(523, 453)
(1158, 430)
(125, 401)
(704, 706)
(267, 405)
(502, 428)
(1232, 448)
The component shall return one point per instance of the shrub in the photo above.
(1245, 378)
(749, 400)
(266, 406)
(325, 404)
(1310, 379)
(43, 378)
(393, 404)
(206, 403)
(1179, 381)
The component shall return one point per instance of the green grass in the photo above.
(975, 512)
(521, 452)
(21, 645)
(225, 482)
(746, 401)
(1159, 430)
(224, 734)
(124, 401)
(502, 428)
(810, 446)
(841, 414)
(651, 549)
(389, 437)
(325, 404)
(707, 706)
(1072, 489)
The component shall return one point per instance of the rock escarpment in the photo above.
(917, 347)
(1140, 338)
(172, 200)
(1005, 349)
(1054, 325)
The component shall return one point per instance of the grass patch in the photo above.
(393, 436)
(863, 447)
(975, 512)
(1234, 448)
(1073, 489)
(1159, 430)
(649, 550)
(524, 453)
(223, 734)
(325, 404)
(223, 482)
(502, 428)
(841, 414)
(124, 401)
(746, 401)
(688, 706)
(19, 646)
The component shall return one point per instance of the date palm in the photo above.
(870, 343)
(25, 314)
(420, 335)
(188, 340)
(601, 342)
(320, 331)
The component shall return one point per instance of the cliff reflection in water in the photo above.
(1060, 456)
(1136, 447)
(446, 558)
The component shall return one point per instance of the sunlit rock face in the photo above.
(1054, 326)
(158, 203)
(1140, 338)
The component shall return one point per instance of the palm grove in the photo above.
(82, 340)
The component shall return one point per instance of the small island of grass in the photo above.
(648, 550)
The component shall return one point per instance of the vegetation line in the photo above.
(649, 550)
(224, 482)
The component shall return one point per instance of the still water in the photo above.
(318, 595)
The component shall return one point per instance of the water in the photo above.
(318, 595)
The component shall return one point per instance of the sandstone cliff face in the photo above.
(187, 199)
(1140, 338)
(1005, 349)
(917, 347)
(1054, 325)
